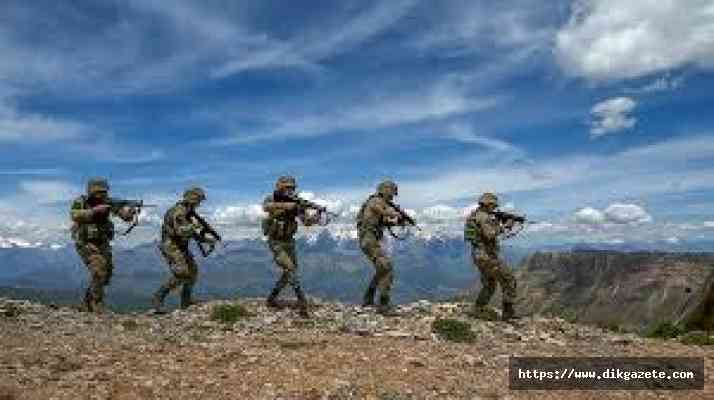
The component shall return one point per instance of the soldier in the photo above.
(375, 215)
(482, 229)
(280, 226)
(92, 232)
(179, 227)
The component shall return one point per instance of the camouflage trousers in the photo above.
(285, 257)
(184, 271)
(97, 257)
(494, 271)
(384, 274)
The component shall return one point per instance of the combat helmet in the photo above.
(95, 185)
(194, 195)
(387, 187)
(285, 181)
(488, 198)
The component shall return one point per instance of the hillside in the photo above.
(344, 352)
(629, 290)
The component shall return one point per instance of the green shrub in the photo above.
(665, 330)
(453, 330)
(229, 313)
(698, 339)
(130, 325)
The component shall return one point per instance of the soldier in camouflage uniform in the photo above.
(93, 231)
(280, 226)
(482, 230)
(375, 215)
(178, 228)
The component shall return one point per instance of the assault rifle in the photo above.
(206, 230)
(137, 205)
(305, 204)
(503, 217)
(404, 219)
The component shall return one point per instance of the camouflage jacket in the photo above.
(280, 224)
(178, 225)
(88, 227)
(482, 230)
(374, 215)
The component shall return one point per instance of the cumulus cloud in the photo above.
(612, 116)
(626, 214)
(618, 213)
(239, 215)
(614, 39)
(589, 215)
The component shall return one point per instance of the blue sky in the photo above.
(591, 116)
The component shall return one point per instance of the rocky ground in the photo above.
(343, 352)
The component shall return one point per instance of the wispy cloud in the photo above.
(33, 171)
(31, 127)
(464, 133)
(307, 49)
(446, 98)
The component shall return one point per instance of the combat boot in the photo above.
(186, 298)
(158, 300)
(272, 300)
(368, 298)
(303, 308)
(508, 314)
(87, 302)
(385, 308)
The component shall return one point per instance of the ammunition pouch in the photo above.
(276, 228)
(93, 232)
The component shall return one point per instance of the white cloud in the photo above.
(613, 39)
(467, 27)
(440, 213)
(626, 214)
(28, 127)
(447, 97)
(311, 47)
(617, 213)
(33, 171)
(239, 215)
(673, 240)
(661, 84)
(465, 133)
(612, 116)
(589, 215)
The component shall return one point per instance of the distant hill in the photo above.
(330, 267)
(633, 290)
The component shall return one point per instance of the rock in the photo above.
(472, 361)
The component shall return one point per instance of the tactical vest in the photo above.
(101, 229)
(280, 225)
(372, 226)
